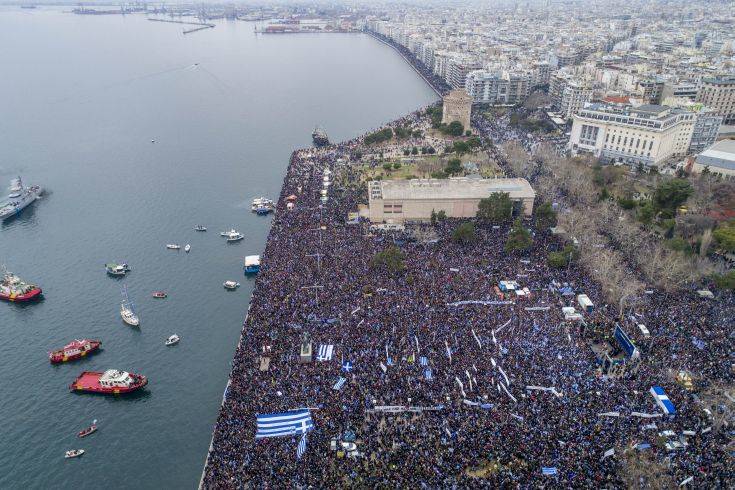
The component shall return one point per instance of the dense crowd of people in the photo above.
(459, 361)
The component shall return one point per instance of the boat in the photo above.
(262, 205)
(159, 294)
(115, 269)
(111, 382)
(74, 350)
(200, 228)
(252, 264)
(173, 246)
(74, 453)
(127, 311)
(319, 137)
(231, 285)
(89, 430)
(232, 235)
(172, 340)
(14, 289)
(19, 198)
(187, 247)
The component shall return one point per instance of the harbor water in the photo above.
(138, 133)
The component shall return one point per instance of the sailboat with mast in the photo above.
(127, 310)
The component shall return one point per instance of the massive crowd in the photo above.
(474, 422)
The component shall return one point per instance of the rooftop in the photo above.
(456, 188)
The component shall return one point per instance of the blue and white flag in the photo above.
(662, 400)
(423, 361)
(427, 374)
(325, 352)
(301, 449)
(347, 366)
(339, 384)
(548, 470)
(284, 423)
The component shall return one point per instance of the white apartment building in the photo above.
(568, 93)
(498, 87)
(647, 134)
(457, 69)
(719, 94)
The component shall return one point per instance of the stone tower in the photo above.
(457, 107)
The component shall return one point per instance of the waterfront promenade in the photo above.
(458, 365)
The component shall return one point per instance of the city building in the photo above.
(457, 107)
(568, 93)
(647, 134)
(718, 159)
(498, 88)
(397, 201)
(719, 94)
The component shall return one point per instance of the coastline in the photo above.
(254, 298)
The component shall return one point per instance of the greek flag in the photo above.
(325, 352)
(423, 361)
(347, 366)
(339, 384)
(548, 471)
(284, 423)
(301, 449)
(662, 400)
(427, 374)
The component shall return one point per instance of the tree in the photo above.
(646, 212)
(519, 238)
(672, 193)
(455, 128)
(563, 257)
(414, 151)
(497, 208)
(725, 281)
(391, 259)
(454, 166)
(387, 167)
(464, 233)
(406, 152)
(396, 165)
(724, 235)
(545, 216)
(468, 133)
(461, 147)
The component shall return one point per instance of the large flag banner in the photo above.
(325, 352)
(662, 400)
(284, 423)
(548, 471)
(301, 448)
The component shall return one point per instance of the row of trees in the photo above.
(379, 136)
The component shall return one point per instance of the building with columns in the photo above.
(457, 107)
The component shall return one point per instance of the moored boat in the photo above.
(231, 285)
(14, 289)
(74, 350)
(187, 248)
(73, 453)
(200, 228)
(173, 246)
(262, 205)
(172, 340)
(115, 269)
(127, 311)
(232, 235)
(110, 382)
(252, 264)
(89, 430)
(159, 294)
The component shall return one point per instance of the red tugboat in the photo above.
(12, 288)
(74, 350)
(111, 382)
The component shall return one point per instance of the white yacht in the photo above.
(172, 340)
(231, 285)
(187, 248)
(232, 235)
(173, 246)
(127, 312)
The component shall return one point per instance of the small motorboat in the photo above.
(173, 246)
(231, 285)
(262, 205)
(159, 294)
(74, 453)
(263, 210)
(89, 430)
(172, 340)
(252, 264)
(200, 228)
(232, 235)
(187, 247)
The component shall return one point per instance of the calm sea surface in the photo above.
(81, 98)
